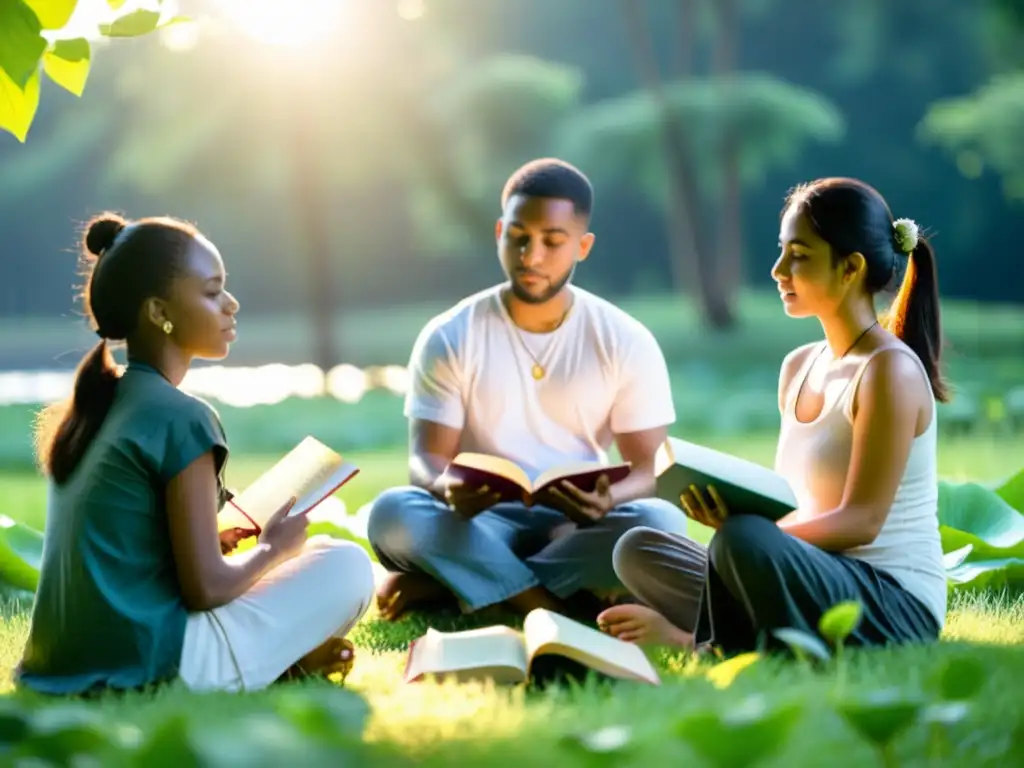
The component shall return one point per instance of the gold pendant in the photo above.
(537, 371)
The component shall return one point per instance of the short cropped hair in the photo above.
(551, 177)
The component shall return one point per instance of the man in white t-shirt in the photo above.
(542, 373)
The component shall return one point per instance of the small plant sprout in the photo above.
(836, 625)
(880, 716)
(741, 736)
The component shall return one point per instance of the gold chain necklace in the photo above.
(536, 370)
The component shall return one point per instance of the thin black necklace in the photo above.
(857, 340)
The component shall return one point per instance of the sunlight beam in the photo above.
(283, 23)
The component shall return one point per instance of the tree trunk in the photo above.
(315, 238)
(689, 262)
(729, 254)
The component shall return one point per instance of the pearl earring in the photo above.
(167, 327)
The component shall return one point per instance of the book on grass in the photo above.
(745, 487)
(310, 472)
(508, 657)
(511, 481)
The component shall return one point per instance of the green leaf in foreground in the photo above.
(134, 24)
(741, 736)
(880, 716)
(67, 64)
(18, 106)
(604, 745)
(53, 14)
(961, 678)
(137, 23)
(803, 643)
(21, 45)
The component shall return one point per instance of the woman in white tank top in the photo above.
(857, 445)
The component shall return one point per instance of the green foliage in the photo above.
(840, 620)
(494, 115)
(983, 129)
(21, 554)
(24, 47)
(880, 716)
(771, 120)
(66, 62)
(53, 14)
(1012, 491)
(18, 104)
(21, 44)
(323, 723)
(984, 531)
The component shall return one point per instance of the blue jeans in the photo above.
(507, 549)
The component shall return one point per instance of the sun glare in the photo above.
(286, 23)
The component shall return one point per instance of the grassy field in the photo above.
(435, 723)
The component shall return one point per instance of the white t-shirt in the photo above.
(604, 375)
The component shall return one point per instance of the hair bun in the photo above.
(906, 234)
(102, 232)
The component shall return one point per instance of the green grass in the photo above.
(479, 724)
(482, 725)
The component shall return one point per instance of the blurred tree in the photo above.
(480, 124)
(698, 140)
(985, 128)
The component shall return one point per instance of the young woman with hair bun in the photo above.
(134, 588)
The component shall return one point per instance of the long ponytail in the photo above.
(65, 430)
(914, 316)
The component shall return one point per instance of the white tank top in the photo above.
(814, 457)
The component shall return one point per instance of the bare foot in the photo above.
(643, 626)
(336, 656)
(401, 591)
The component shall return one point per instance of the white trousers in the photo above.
(249, 643)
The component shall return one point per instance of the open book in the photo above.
(744, 486)
(310, 472)
(502, 654)
(510, 480)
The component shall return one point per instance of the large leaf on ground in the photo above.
(987, 574)
(1012, 491)
(21, 554)
(970, 513)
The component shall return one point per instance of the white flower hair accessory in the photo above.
(906, 234)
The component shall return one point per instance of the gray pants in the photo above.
(753, 578)
(507, 549)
